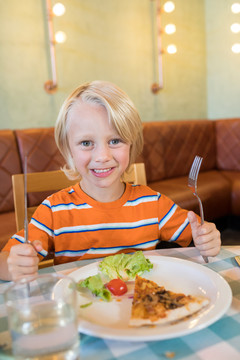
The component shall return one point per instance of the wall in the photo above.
(223, 75)
(106, 39)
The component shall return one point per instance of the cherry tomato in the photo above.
(117, 287)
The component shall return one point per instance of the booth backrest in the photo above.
(170, 147)
(42, 155)
(228, 144)
(40, 147)
(9, 164)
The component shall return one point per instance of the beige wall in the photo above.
(111, 40)
(223, 66)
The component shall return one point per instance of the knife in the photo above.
(25, 202)
(43, 252)
(25, 212)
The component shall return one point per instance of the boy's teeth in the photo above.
(101, 171)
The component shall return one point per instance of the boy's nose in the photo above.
(102, 154)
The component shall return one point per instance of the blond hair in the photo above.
(121, 111)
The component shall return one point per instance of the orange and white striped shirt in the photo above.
(77, 227)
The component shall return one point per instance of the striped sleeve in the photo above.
(173, 223)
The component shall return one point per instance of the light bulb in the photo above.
(235, 28)
(235, 8)
(170, 29)
(60, 37)
(58, 9)
(171, 49)
(236, 48)
(168, 6)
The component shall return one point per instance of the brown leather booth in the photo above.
(43, 155)
(168, 153)
(169, 149)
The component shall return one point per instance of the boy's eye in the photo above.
(115, 141)
(86, 143)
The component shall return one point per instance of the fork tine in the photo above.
(191, 175)
(199, 161)
(192, 169)
(195, 167)
(194, 164)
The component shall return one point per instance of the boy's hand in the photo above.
(206, 237)
(23, 260)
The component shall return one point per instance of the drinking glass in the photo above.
(42, 318)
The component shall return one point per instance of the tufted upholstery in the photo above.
(169, 149)
(42, 154)
(228, 144)
(228, 157)
(40, 147)
(9, 164)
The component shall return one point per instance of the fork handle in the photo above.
(205, 258)
(201, 209)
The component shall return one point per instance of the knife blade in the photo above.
(43, 252)
(25, 212)
(25, 202)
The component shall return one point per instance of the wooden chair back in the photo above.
(136, 174)
(36, 182)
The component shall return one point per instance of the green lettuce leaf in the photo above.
(95, 285)
(125, 266)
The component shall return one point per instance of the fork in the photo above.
(192, 183)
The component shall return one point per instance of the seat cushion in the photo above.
(234, 178)
(213, 189)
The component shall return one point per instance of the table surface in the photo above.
(220, 340)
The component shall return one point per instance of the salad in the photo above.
(114, 271)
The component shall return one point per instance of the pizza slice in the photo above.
(153, 304)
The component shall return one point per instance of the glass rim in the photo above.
(29, 279)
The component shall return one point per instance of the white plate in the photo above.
(110, 319)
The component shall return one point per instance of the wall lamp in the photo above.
(235, 28)
(169, 29)
(59, 37)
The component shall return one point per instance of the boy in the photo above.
(99, 133)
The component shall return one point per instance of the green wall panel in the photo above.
(116, 41)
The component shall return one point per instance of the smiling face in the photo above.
(98, 152)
